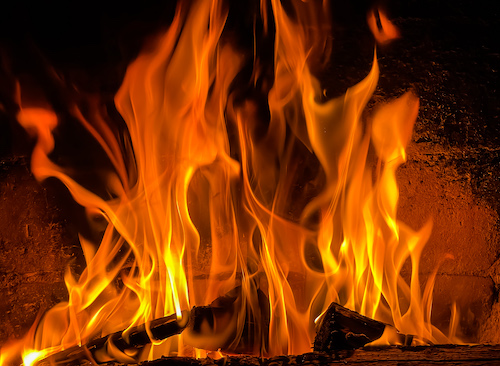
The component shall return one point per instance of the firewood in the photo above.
(449, 355)
(211, 327)
(214, 327)
(135, 339)
(343, 329)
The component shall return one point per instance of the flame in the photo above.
(382, 28)
(270, 220)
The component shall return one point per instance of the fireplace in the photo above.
(445, 54)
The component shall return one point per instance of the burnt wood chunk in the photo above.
(137, 338)
(212, 327)
(343, 329)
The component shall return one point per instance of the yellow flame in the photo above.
(269, 220)
(30, 357)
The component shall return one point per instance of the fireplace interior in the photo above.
(447, 53)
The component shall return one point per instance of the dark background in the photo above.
(449, 54)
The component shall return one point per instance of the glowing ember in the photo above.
(211, 179)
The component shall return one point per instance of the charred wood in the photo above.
(479, 355)
(341, 330)
(344, 329)
(135, 339)
(211, 327)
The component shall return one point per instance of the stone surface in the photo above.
(34, 250)
(464, 225)
(473, 296)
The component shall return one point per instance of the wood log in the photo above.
(341, 331)
(450, 355)
(135, 339)
(211, 327)
(344, 329)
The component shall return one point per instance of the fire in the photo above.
(382, 28)
(286, 213)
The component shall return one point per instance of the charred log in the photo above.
(344, 329)
(211, 327)
(214, 327)
(134, 340)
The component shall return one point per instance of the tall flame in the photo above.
(287, 212)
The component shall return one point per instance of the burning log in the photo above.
(211, 327)
(340, 329)
(135, 340)
(344, 329)
(215, 327)
(341, 333)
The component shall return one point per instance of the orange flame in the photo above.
(382, 28)
(217, 199)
